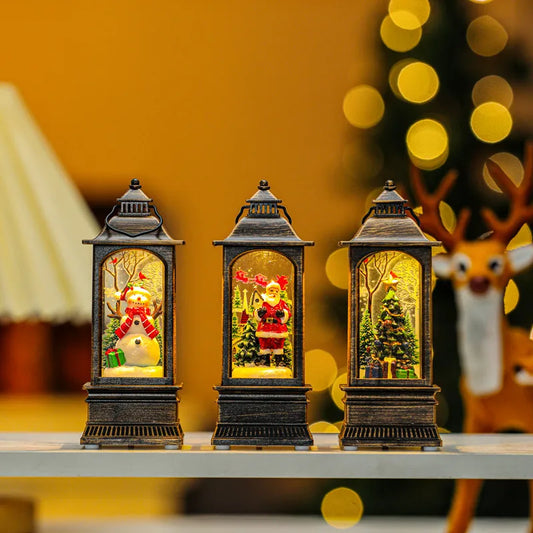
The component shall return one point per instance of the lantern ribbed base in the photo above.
(390, 417)
(262, 416)
(132, 415)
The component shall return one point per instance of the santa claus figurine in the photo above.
(272, 320)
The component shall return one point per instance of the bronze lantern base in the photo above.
(262, 416)
(390, 417)
(132, 415)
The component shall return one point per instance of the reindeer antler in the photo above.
(430, 219)
(520, 212)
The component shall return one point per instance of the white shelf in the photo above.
(463, 456)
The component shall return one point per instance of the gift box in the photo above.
(406, 373)
(389, 367)
(115, 357)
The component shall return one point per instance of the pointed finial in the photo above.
(135, 184)
(263, 185)
(389, 185)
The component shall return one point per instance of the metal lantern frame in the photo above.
(133, 410)
(384, 411)
(263, 411)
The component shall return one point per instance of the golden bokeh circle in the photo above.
(427, 144)
(320, 369)
(395, 71)
(337, 394)
(363, 106)
(418, 82)
(486, 36)
(323, 427)
(491, 122)
(492, 89)
(338, 268)
(398, 39)
(510, 164)
(522, 238)
(342, 508)
(409, 14)
(511, 297)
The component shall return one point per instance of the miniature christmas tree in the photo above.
(366, 339)
(110, 338)
(247, 346)
(237, 300)
(234, 325)
(412, 342)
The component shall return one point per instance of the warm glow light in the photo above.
(342, 508)
(323, 427)
(480, 1)
(427, 144)
(409, 14)
(510, 164)
(337, 394)
(399, 39)
(511, 297)
(491, 122)
(486, 36)
(338, 268)
(418, 82)
(394, 73)
(320, 369)
(522, 238)
(363, 106)
(492, 89)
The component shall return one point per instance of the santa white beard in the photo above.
(272, 300)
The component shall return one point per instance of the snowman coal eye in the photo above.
(461, 264)
(495, 264)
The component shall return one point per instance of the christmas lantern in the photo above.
(132, 396)
(262, 398)
(390, 396)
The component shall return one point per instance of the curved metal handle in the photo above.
(284, 209)
(240, 213)
(415, 216)
(132, 235)
(370, 211)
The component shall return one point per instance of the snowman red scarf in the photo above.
(142, 313)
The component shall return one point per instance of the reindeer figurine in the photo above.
(494, 357)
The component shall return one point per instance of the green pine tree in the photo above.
(237, 299)
(109, 338)
(247, 347)
(366, 339)
(412, 341)
(159, 339)
(234, 325)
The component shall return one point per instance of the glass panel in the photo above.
(133, 311)
(261, 331)
(389, 316)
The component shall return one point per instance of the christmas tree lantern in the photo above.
(390, 396)
(262, 399)
(132, 396)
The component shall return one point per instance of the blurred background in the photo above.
(200, 100)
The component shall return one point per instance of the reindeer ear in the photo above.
(442, 265)
(520, 258)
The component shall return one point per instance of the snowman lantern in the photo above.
(132, 396)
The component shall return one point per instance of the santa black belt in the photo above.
(271, 321)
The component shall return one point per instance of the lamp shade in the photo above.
(45, 272)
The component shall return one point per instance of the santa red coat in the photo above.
(271, 326)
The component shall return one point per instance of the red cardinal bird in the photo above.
(142, 276)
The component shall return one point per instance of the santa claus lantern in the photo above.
(262, 399)
(132, 396)
(390, 396)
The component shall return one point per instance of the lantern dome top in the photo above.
(133, 218)
(387, 224)
(263, 223)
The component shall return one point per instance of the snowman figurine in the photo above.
(137, 332)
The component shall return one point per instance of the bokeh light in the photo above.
(363, 106)
(480, 1)
(510, 164)
(398, 39)
(320, 369)
(394, 73)
(323, 427)
(522, 238)
(418, 82)
(511, 297)
(337, 394)
(342, 508)
(486, 36)
(491, 122)
(409, 14)
(427, 144)
(492, 89)
(338, 268)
